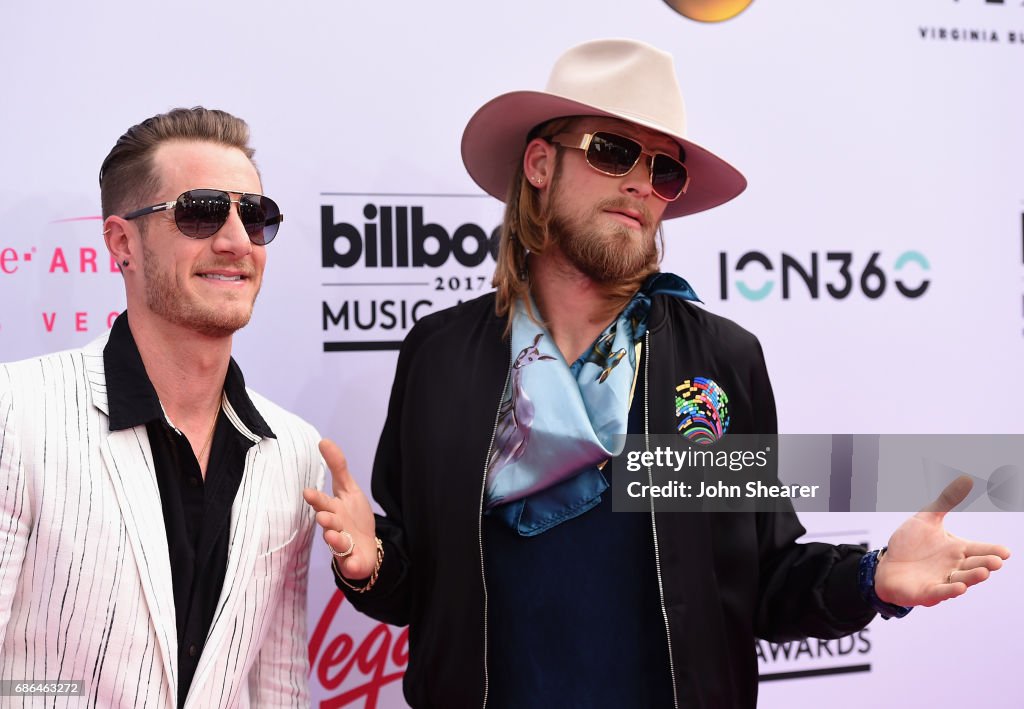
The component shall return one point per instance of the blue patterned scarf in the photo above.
(558, 424)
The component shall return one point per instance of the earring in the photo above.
(125, 263)
(524, 273)
(539, 180)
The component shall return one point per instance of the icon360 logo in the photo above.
(709, 10)
(842, 273)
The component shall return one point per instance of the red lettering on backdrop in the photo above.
(113, 265)
(87, 259)
(8, 255)
(80, 322)
(48, 321)
(370, 659)
(58, 261)
(111, 318)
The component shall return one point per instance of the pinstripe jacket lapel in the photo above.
(129, 462)
(248, 517)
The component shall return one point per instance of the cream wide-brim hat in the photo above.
(618, 78)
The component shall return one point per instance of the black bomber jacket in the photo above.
(727, 577)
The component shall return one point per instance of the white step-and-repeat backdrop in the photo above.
(877, 252)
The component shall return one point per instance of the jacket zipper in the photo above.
(480, 516)
(654, 523)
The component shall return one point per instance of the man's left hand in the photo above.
(925, 564)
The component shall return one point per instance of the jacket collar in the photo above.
(132, 400)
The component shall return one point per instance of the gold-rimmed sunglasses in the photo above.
(616, 155)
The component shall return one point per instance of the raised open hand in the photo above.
(925, 564)
(346, 518)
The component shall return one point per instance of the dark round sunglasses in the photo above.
(199, 214)
(617, 155)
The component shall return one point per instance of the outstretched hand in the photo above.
(347, 510)
(925, 564)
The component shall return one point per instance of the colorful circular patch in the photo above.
(702, 410)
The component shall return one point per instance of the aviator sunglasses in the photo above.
(199, 214)
(617, 155)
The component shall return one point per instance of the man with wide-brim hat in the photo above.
(498, 546)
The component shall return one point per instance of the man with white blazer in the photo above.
(153, 540)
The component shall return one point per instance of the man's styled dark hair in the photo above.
(126, 176)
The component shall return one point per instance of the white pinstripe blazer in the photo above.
(85, 578)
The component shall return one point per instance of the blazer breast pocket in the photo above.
(277, 561)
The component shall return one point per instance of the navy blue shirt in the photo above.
(574, 613)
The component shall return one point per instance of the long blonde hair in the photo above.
(525, 230)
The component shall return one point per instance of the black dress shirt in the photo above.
(197, 512)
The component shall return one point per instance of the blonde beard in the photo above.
(611, 258)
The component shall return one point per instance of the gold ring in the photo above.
(347, 552)
(949, 576)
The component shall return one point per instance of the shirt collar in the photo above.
(133, 400)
